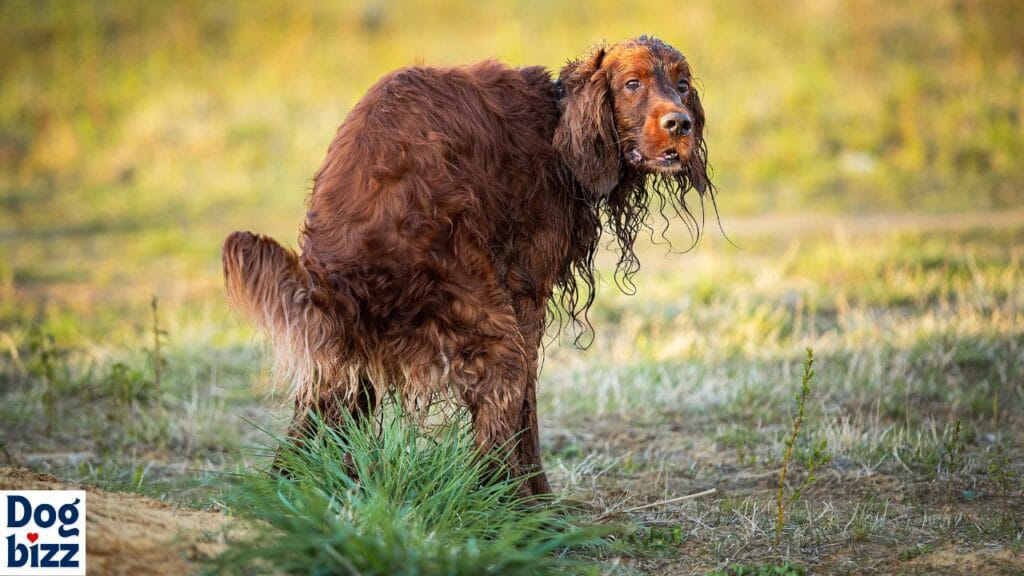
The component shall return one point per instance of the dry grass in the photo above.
(920, 361)
(919, 340)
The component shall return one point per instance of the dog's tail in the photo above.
(293, 305)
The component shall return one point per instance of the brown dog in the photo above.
(453, 205)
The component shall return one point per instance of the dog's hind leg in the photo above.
(529, 440)
(490, 369)
(530, 314)
(333, 410)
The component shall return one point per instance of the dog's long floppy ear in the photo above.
(585, 135)
(697, 165)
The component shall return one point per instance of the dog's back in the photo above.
(422, 215)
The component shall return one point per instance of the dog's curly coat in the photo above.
(453, 204)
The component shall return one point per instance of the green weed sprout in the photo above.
(819, 453)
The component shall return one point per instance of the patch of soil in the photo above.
(129, 534)
(966, 560)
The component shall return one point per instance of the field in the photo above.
(868, 160)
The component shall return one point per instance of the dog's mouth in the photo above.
(668, 157)
(667, 161)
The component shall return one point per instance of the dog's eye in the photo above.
(632, 86)
(683, 86)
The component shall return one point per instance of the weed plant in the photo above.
(818, 456)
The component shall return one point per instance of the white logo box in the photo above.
(42, 532)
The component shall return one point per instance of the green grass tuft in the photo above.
(390, 498)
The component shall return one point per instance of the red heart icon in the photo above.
(33, 536)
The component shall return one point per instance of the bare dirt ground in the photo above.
(129, 534)
(853, 520)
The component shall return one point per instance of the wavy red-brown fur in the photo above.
(453, 204)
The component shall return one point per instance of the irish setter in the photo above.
(454, 204)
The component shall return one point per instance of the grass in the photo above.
(390, 499)
(689, 386)
(786, 569)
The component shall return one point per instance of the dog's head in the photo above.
(631, 110)
(632, 129)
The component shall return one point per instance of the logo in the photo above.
(43, 532)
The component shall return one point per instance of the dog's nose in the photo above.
(677, 123)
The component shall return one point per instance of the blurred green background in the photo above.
(135, 135)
